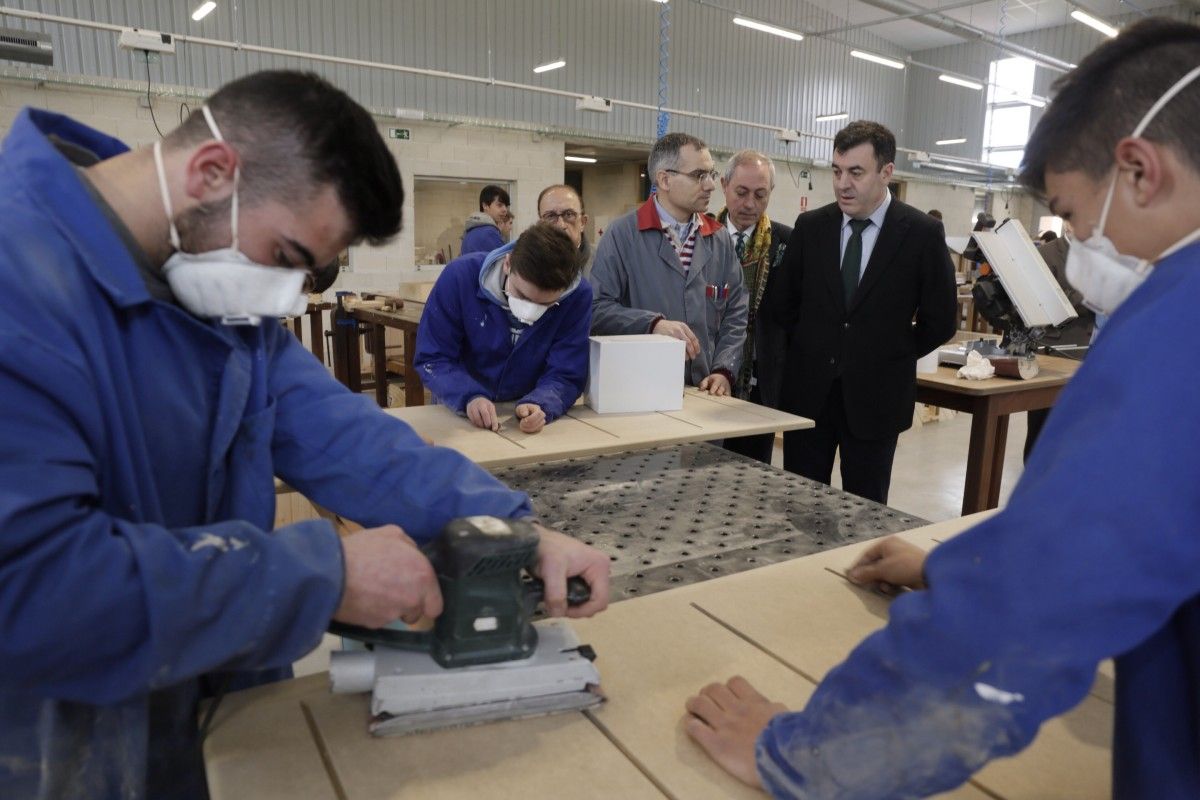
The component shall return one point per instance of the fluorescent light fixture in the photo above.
(874, 59)
(765, 28)
(549, 65)
(831, 117)
(950, 141)
(203, 11)
(662, 2)
(960, 82)
(580, 159)
(1094, 23)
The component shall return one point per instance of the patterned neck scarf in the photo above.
(756, 266)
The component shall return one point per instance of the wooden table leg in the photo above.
(316, 329)
(414, 391)
(296, 329)
(981, 460)
(379, 355)
(1001, 441)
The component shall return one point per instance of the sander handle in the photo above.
(578, 591)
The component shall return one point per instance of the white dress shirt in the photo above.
(870, 233)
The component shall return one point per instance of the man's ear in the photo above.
(211, 169)
(887, 171)
(1139, 160)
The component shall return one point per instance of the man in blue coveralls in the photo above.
(1098, 553)
(149, 397)
(509, 325)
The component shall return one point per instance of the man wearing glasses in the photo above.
(562, 206)
(669, 268)
(509, 325)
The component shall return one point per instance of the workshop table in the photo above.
(989, 402)
(316, 327)
(347, 366)
(782, 626)
(583, 432)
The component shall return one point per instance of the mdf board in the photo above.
(639, 427)
(261, 745)
(655, 652)
(725, 419)
(447, 429)
(296, 741)
(812, 618)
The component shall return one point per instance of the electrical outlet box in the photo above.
(600, 104)
(143, 39)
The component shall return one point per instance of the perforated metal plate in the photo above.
(688, 513)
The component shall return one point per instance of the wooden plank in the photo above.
(447, 429)
(564, 755)
(812, 618)
(260, 745)
(647, 688)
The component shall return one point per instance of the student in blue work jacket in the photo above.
(511, 325)
(1098, 553)
(150, 396)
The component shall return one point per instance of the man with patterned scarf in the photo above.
(748, 182)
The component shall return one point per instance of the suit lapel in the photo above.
(666, 252)
(831, 259)
(895, 225)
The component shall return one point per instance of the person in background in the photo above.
(759, 244)
(1047, 237)
(1096, 554)
(482, 233)
(866, 288)
(669, 268)
(511, 325)
(933, 212)
(151, 397)
(562, 206)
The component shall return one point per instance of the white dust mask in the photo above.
(225, 283)
(1102, 274)
(525, 311)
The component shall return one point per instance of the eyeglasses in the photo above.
(698, 175)
(570, 216)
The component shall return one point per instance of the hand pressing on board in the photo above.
(533, 419)
(890, 565)
(725, 719)
(715, 384)
(482, 413)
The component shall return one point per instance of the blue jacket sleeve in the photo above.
(96, 608)
(440, 340)
(1094, 553)
(566, 372)
(340, 450)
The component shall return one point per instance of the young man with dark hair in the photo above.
(1096, 555)
(669, 268)
(151, 396)
(866, 288)
(509, 325)
(483, 231)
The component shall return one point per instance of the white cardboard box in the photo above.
(636, 373)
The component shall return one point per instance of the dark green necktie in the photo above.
(740, 249)
(852, 260)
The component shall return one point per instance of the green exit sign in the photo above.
(399, 133)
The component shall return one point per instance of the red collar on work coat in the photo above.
(648, 220)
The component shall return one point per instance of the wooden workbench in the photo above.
(783, 627)
(582, 432)
(989, 402)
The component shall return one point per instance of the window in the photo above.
(1006, 124)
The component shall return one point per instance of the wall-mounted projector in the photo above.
(27, 46)
(788, 135)
(601, 104)
(143, 39)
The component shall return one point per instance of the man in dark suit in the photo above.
(759, 243)
(866, 287)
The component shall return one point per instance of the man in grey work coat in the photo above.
(669, 268)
